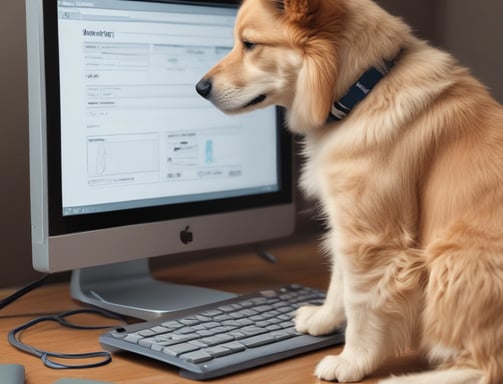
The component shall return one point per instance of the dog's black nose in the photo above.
(203, 87)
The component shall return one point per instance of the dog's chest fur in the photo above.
(335, 177)
(364, 198)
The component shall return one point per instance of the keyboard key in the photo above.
(133, 337)
(172, 324)
(190, 321)
(217, 339)
(234, 346)
(257, 341)
(211, 324)
(178, 349)
(262, 308)
(211, 313)
(238, 334)
(184, 338)
(160, 329)
(161, 345)
(226, 308)
(218, 351)
(252, 330)
(244, 322)
(184, 331)
(196, 357)
(202, 318)
(146, 332)
(205, 332)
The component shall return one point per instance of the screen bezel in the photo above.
(60, 224)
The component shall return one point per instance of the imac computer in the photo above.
(127, 162)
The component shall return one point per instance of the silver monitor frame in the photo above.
(123, 251)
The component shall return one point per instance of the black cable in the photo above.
(23, 291)
(103, 357)
(47, 357)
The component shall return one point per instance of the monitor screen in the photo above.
(127, 161)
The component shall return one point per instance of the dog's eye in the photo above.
(249, 45)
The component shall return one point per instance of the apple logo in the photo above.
(186, 236)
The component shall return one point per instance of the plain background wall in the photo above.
(471, 30)
(15, 248)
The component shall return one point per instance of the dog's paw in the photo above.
(337, 368)
(317, 320)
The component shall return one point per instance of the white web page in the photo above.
(132, 125)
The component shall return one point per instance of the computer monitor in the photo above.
(127, 162)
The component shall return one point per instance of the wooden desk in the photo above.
(298, 262)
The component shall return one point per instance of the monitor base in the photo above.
(128, 288)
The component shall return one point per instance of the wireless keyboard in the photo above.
(229, 336)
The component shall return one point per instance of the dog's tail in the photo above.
(448, 376)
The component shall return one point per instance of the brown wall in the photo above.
(472, 30)
(15, 263)
(419, 14)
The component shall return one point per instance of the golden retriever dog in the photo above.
(408, 172)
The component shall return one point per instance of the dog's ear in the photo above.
(317, 77)
(302, 12)
(315, 89)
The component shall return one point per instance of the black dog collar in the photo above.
(360, 90)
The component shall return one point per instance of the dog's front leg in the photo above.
(363, 351)
(382, 309)
(324, 319)
(364, 333)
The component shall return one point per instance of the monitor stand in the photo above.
(129, 288)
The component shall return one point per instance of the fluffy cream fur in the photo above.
(411, 183)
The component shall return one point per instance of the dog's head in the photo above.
(284, 54)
